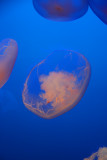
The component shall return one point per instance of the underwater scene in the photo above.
(53, 80)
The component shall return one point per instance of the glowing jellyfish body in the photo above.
(100, 9)
(8, 55)
(57, 84)
(61, 10)
(101, 154)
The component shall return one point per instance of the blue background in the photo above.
(77, 133)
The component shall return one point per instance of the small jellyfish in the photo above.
(61, 10)
(99, 7)
(101, 154)
(8, 55)
(57, 84)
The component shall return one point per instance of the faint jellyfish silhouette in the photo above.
(101, 154)
(8, 101)
(57, 84)
(8, 55)
(61, 10)
(99, 7)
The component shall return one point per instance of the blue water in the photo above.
(77, 133)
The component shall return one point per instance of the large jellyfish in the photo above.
(57, 84)
(8, 55)
(101, 154)
(100, 9)
(61, 10)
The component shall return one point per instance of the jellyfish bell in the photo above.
(101, 154)
(61, 10)
(8, 55)
(99, 7)
(57, 84)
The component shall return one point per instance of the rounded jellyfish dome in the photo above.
(8, 55)
(99, 7)
(61, 10)
(57, 84)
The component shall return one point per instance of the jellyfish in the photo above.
(8, 55)
(101, 154)
(61, 10)
(99, 7)
(56, 84)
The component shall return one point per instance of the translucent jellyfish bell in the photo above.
(101, 154)
(61, 10)
(100, 9)
(57, 84)
(8, 55)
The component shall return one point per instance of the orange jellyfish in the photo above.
(61, 10)
(100, 9)
(57, 84)
(101, 154)
(8, 55)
